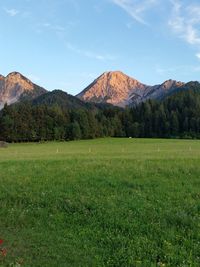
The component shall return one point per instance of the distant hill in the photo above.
(60, 98)
(67, 101)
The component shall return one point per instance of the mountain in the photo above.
(111, 87)
(161, 91)
(192, 86)
(15, 87)
(121, 90)
(59, 116)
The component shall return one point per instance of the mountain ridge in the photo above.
(119, 89)
(111, 87)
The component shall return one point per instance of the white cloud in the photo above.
(57, 28)
(184, 69)
(198, 55)
(136, 8)
(11, 12)
(89, 54)
(185, 21)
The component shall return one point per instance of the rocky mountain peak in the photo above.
(14, 73)
(112, 87)
(115, 77)
(114, 74)
(14, 85)
(17, 79)
(171, 83)
(117, 88)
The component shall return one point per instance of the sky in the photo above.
(66, 44)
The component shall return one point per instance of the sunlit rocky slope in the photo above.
(121, 90)
(15, 86)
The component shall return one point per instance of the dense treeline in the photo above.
(25, 122)
(177, 116)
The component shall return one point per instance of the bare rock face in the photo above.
(111, 87)
(161, 90)
(121, 90)
(14, 86)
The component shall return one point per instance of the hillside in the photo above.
(61, 99)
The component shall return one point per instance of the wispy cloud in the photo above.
(60, 30)
(56, 28)
(184, 69)
(11, 12)
(90, 54)
(198, 55)
(136, 8)
(185, 21)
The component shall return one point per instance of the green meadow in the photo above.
(105, 202)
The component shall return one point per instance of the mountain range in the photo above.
(112, 87)
(121, 90)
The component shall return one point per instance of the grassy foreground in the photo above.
(106, 202)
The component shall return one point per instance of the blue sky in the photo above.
(66, 44)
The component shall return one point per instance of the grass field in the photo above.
(105, 202)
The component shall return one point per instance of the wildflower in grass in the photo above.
(20, 261)
(4, 252)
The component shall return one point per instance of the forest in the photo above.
(46, 119)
